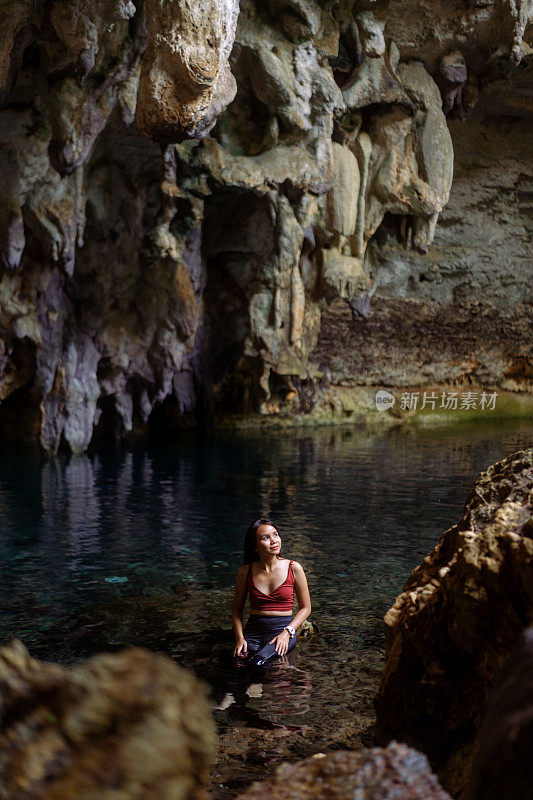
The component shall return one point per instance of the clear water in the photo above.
(141, 546)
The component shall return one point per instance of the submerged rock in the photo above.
(126, 726)
(395, 772)
(460, 615)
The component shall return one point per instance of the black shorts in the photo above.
(260, 630)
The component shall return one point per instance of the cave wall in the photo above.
(208, 206)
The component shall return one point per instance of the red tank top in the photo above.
(281, 599)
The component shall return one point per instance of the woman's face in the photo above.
(268, 541)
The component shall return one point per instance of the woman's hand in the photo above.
(282, 642)
(241, 648)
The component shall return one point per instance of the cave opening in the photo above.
(20, 417)
(237, 240)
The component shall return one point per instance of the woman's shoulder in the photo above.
(297, 567)
(243, 570)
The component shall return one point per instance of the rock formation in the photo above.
(185, 80)
(190, 188)
(461, 613)
(395, 772)
(128, 725)
(502, 765)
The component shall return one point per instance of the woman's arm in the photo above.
(304, 603)
(237, 610)
(302, 595)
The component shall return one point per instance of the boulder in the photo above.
(503, 766)
(118, 727)
(460, 615)
(395, 772)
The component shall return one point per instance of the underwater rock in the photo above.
(307, 629)
(395, 772)
(461, 613)
(503, 766)
(128, 725)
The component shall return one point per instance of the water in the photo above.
(141, 546)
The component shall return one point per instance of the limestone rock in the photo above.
(94, 51)
(342, 276)
(411, 165)
(456, 343)
(393, 773)
(502, 765)
(81, 27)
(91, 54)
(343, 195)
(19, 27)
(301, 19)
(122, 726)
(460, 615)
(454, 75)
(185, 79)
(480, 251)
(373, 80)
(486, 29)
(145, 284)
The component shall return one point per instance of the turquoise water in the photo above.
(141, 546)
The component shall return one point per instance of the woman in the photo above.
(270, 581)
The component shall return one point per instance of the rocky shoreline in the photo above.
(346, 405)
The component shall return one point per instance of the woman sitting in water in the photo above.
(270, 581)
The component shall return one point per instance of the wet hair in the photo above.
(250, 540)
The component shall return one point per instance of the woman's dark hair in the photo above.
(250, 540)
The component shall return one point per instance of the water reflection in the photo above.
(278, 695)
(357, 508)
